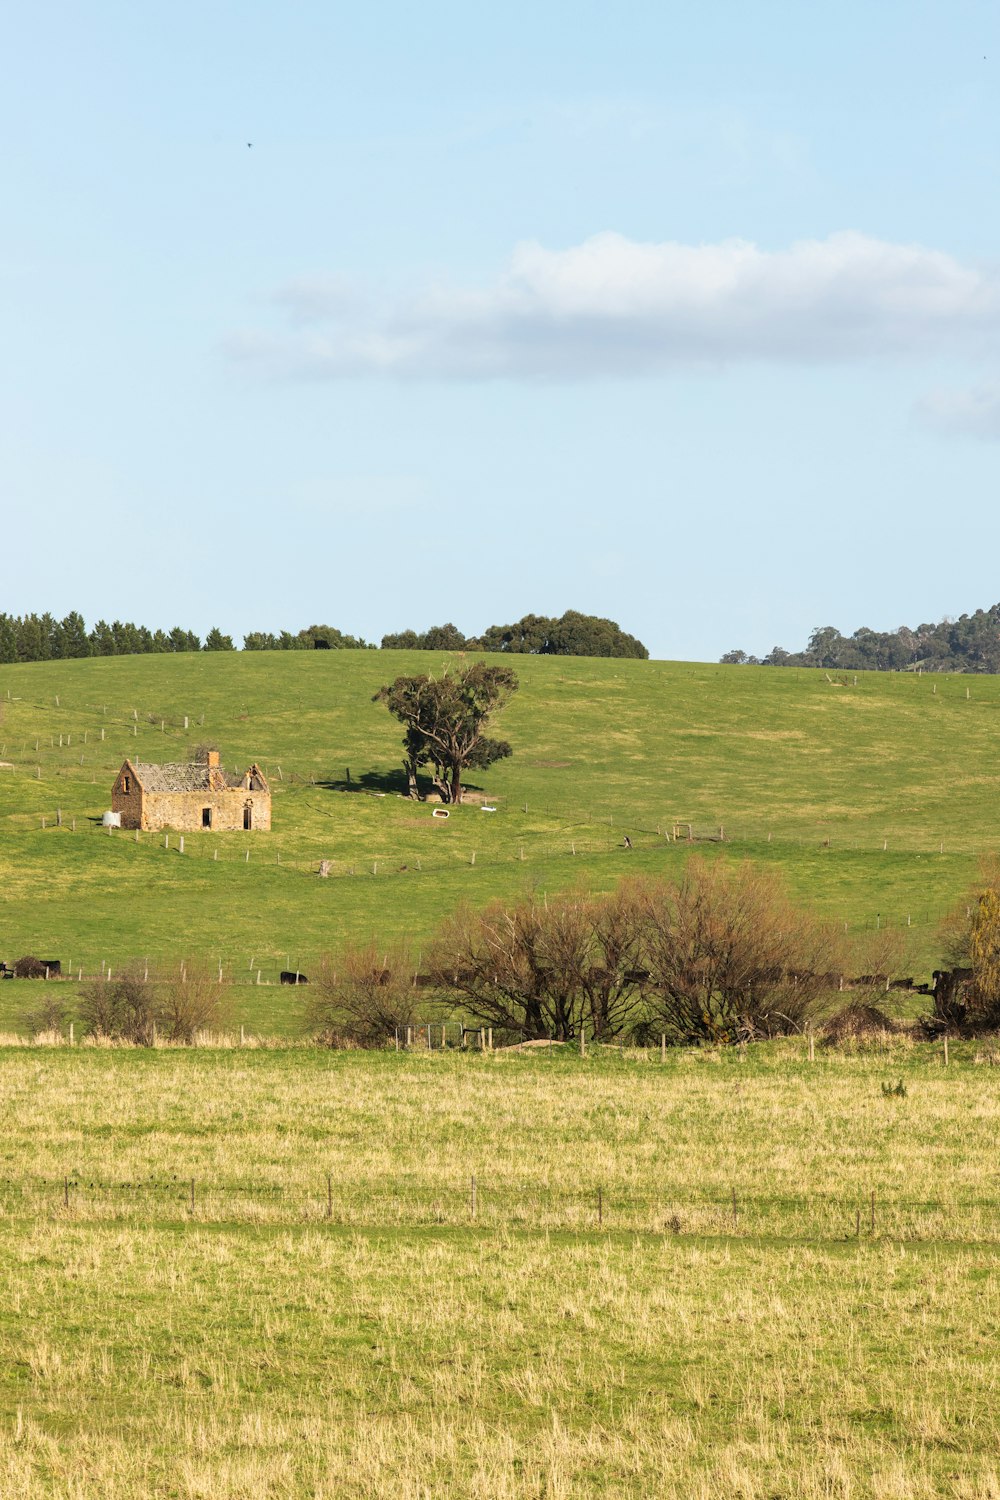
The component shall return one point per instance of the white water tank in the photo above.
(111, 820)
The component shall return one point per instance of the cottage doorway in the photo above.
(248, 815)
(206, 817)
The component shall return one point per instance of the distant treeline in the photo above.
(44, 638)
(969, 644)
(572, 634)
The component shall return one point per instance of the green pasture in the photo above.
(873, 795)
(263, 1272)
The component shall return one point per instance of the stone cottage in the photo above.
(189, 797)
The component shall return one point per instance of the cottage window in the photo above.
(126, 785)
(248, 815)
(206, 817)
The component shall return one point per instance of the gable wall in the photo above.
(130, 805)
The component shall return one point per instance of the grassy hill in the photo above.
(875, 795)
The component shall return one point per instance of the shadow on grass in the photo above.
(385, 784)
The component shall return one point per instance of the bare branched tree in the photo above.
(363, 995)
(730, 957)
(546, 966)
(195, 1001)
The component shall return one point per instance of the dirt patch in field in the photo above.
(542, 1041)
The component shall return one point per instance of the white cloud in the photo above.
(970, 413)
(613, 306)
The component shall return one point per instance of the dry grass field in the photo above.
(673, 1279)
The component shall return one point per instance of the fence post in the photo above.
(663, 1046)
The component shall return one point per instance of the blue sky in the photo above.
(689, 316)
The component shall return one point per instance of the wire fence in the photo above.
(856, 1213)
(577, 841)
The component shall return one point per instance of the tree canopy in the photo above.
(572, 634)
(445, 721)
(969, 644)
(313, 638)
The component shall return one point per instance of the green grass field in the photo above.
(733, 1323)
(875, 799)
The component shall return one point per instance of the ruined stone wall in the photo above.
(183, 810)
(129, 803)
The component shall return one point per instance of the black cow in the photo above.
(292, 976)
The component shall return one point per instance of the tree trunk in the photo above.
(456, 783)
(412, 790)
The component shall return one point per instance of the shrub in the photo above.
(549, 967)
(720, 955)
(29, 967)
(50, 1015)
(730, 958)
(191, 1003)
(855, 1021)
(362, 997)
(121, 1009)
(967, 995)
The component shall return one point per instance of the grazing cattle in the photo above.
(292, 976)
(53, 965)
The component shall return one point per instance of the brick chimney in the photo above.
(213, 760)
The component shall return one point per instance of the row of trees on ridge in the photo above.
(34, 637)
(572, 634)
(969, 644)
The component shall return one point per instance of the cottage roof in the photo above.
(182, 777)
